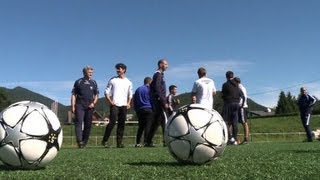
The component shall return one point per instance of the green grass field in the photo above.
(253, 161)
(278, 157)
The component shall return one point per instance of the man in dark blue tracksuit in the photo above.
(305, 103)
(84, 96)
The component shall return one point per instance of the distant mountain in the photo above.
(20, 94)
(218, 102)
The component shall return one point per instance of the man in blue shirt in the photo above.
(305, 103)
(143, 108)
(84, 96)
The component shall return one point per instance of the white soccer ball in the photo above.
(30, 135)
(196, 135)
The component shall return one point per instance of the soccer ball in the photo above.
(30, 135)
(196, 135)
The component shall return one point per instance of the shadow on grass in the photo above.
(8, 168)
(160, 164)
(305, 151)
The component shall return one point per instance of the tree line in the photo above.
(288, 104)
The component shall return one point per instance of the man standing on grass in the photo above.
(143, 108)
(118, 94)
(305, 103)
(159, 101)
(84, 96)
(231, 98)
(242, 115)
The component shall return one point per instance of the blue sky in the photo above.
(271, 45)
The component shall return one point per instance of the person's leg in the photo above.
(140, 126)
(79, 115)
(153, 129)
(112, 122)
(122, 114)
(148, 119)
(306, 125)
(163, 122)
(234, 117)
(87, 125)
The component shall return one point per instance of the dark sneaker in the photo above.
(138, 145)
(105, 144)
(120, 146)
(81, 145)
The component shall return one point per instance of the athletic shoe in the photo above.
(138, 145)
(120, 146)
(81, 145)
(105, 144)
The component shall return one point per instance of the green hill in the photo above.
(19, 94)
(22, 94)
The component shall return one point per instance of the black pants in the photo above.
(160, 118)
(145, 118)
(117, 113)
(83, 123)
(230, 116)
(305, 119)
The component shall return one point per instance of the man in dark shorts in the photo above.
(243, 110)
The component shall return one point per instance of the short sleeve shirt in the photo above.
(204, 88)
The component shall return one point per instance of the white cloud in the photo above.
(216, 68)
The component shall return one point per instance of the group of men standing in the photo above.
(151, 104)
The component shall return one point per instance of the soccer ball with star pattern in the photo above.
(30, 135)
(196, 135)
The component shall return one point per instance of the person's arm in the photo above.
(170, 103)
(214, 92)
(193, 93)
(94, 102)
(242, 97)
(130, 94)
(73, 103)
(158, 89)
(312, 100)
(108, 93)
(73, 97)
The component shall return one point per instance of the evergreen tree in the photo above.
(287, 104)
(282, 104)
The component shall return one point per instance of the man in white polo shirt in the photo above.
(118, 94)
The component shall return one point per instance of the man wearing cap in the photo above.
(118, 94)
(84, 96)
(305, 103)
